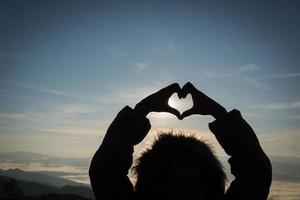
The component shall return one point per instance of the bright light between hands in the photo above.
(181, 104)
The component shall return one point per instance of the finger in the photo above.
(173, 111)
(187, 88)
(179, 94)
(172, 88)
(187, 113)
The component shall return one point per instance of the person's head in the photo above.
(177, 166)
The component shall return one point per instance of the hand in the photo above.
(203, 105)
(158, 102)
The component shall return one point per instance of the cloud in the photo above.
(249, 68)
(253, 82)
(58, 111)
(43, 89)
(283, 143)
(37, 166)
(116, 52)
(125, 96)
(294, 117)
(76, 109)
(217, 75)
(161, 39)
(71, 119)
(171, 47)
(12, 115)
(141, 66)
(39, 88)
(282, 106)
(285, 75)
(73, 131)
(279, 106)
(256, 83)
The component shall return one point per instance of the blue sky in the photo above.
(68, 67)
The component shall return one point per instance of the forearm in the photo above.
(142, 109)
(110, 164)
(219, 112)
(253, 176)
(249, 164)
(108, 173)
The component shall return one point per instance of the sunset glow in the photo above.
(69, 67)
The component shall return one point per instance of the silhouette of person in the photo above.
(179, 166)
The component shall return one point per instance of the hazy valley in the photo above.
(38, 174)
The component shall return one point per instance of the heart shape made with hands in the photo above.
(182, 104)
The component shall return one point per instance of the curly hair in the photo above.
(169, 148)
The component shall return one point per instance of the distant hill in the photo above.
(10, 189)
(55, 197)
(35, 189)
(28, 157)
(284, 168)
(79, 190)
(56, 174)
(38, 177)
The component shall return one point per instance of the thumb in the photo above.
(173, 111)
(187, 113)
(188, 88)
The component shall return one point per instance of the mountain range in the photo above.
(39, 177)
(35, 183)
(284, 168)
(50, 177)
(10, 187)
(54, 169)
(29, 157)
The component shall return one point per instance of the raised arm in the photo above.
(111, 162)
(249, 164)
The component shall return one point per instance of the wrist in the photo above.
(219, 113)
(141, 109)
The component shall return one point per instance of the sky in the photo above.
(68, 67)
